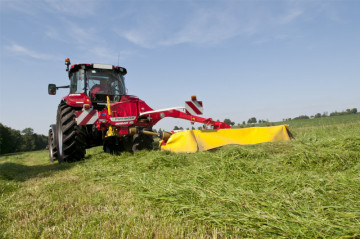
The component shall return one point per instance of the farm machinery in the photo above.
(98, 111)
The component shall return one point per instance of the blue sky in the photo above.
(264, 59)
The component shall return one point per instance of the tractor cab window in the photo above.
(77, 82)
(98, 83)
(102, 83)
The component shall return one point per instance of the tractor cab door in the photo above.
(77, 82)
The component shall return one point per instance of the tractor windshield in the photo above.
(98, 83)
(105, 82)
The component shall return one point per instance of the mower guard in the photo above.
(191, 141)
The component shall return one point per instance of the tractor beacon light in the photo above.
(67, 63)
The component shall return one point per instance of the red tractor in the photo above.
(98, 111)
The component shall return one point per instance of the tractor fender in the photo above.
(77, 100)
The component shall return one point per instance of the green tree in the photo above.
(229, 122)
(301, 117)
(27, 131)
(252, 120)
(10, 140)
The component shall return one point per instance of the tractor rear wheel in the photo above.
(142, 141)
(71, 138)
(51, 146)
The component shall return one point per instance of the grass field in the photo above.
(305, 188)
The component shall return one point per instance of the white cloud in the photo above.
(209, 24)
(82, 36)
(202, 26)
(25, 7)
(79, 8)
(147, 28)
(87, 43)
(206, 27)
(102, 54)
(73, 33)
(52, 33)
(138, 37)
(211, 27)
(23, 51)
(75, 8)
(290, 16)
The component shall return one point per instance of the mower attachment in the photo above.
(191, 141)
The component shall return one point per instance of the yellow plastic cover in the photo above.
(191, 141)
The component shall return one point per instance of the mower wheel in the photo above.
(71, 138)
(142, 141)
(110, 146)
(115, 145)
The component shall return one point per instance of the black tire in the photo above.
(51, 146)
(114, 145)
(109, 146)
(141, 142)
(71, 138)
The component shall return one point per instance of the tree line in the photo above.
(252, 121)
(325, 114)
(12, 141)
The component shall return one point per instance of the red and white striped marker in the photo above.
(194, 107)
(85, 117)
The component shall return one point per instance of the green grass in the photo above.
(305, 188)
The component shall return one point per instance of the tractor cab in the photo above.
(97, 81)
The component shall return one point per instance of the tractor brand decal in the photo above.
(115, 119)
(125, 123)
(85, 117)
(194, 107)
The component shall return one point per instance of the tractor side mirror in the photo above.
(52, 89)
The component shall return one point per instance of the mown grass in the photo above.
(305, 188)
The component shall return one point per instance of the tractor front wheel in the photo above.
(52, 146)
(71, 138)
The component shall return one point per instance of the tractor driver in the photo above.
(104, 88)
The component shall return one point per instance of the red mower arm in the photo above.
(193, 118)
(191, 107)
(160, 114)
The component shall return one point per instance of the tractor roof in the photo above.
(76, 67)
